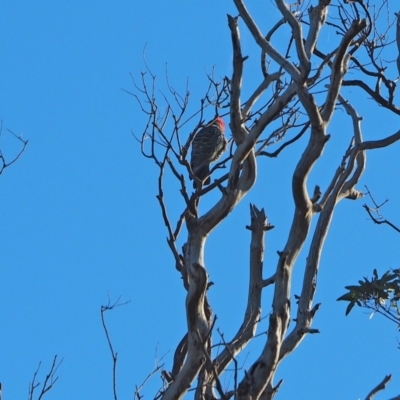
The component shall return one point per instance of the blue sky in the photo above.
(80, 220)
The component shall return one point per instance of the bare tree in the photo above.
(302, 84)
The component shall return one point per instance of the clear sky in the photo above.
(80, 220)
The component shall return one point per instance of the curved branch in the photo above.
(305, 64)
(376, 96)
(264, 44)
(379, 387)
(339, 67)
(197, 334)
(264, 85)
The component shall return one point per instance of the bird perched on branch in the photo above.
(207, 147)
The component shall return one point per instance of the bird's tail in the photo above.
(201, 174)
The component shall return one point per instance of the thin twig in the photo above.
(49, 380)
(380, 219)
(4, 163)
(111, 306)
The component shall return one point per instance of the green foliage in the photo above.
(378, 294)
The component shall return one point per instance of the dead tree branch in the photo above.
(379, 387)
(49, 381)
(299, 90)
(3, 161)
(114, 355)
(379, 219)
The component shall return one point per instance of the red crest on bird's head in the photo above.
(220, 122)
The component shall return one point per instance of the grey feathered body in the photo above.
(208, 145)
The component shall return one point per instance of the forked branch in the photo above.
(49, 381)
(114, 355)
(4, 161)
